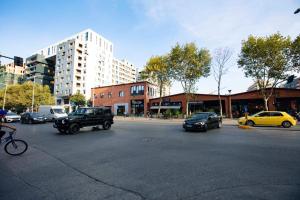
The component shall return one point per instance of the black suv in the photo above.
(83, 117)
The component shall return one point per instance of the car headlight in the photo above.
(35, 118)
(200, 123)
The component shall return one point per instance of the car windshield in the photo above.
(11, 113)
(200, 116)
(35, 115)
(82, 111)
(58, 110)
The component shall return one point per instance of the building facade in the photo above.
(235, 105)
(166, 91)
(84, 61)
(41, 70)
(123, 72)
(130, 98)
(11, 74)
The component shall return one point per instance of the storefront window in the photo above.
(137, 107)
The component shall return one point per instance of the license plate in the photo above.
(189, 126)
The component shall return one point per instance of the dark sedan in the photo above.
(32, 118)
(202, 121)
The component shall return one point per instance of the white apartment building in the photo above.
(84, 61)
(123, 72)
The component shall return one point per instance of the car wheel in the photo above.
(205, 128)
(5, 120)
(286, 124)
(250, 123)
(106, 125)
(22, 121)
(30, 121)
(74, 128)
(63, 131)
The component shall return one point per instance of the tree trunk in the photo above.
(219, 96)
(187, 105)
(158, 112)
(160, 99)
(220, 104)
(266, 104)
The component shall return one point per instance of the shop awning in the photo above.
(164, 107)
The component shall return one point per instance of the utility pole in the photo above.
(4, 98)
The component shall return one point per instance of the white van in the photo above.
(52, 112)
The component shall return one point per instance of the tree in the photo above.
(296, 53)
(221, 57)
(157, 71)
(78, 99)
(19, 96)
(189, 64)
(267, 60)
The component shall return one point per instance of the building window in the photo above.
(86, 36)
(48, 51)
(102, 95)
(137, 90)
(109, 95)
(121, 93)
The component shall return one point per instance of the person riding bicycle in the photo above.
(2, 115)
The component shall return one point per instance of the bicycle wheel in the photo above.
(15, 147)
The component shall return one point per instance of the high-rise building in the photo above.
(12, 74)
(41, 70)
(123, 72)
(84, 61)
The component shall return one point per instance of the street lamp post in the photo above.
(4, 98)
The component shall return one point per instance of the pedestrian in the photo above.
(2, 115)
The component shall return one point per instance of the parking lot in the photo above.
(153, 160)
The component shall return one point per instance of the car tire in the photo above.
(286, 124)
(74, 128)
(205, 128)
(250, 123)
(30, 121)
(106, 125)
(63, 131)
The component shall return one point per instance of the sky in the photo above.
(140, 29)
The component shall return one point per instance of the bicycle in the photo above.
(14, 147)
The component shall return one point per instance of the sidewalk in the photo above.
(226, 122)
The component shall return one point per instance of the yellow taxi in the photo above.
(269, 118)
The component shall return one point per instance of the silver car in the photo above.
(11, 117)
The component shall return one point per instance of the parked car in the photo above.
(32, 118)
(269, 118)
(11, 117)
(83, 117)
(52, 112)
(202, 121)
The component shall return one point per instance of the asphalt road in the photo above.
(150, 160)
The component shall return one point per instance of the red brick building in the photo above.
(282, 99)
(141, 97)
(128, 98)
